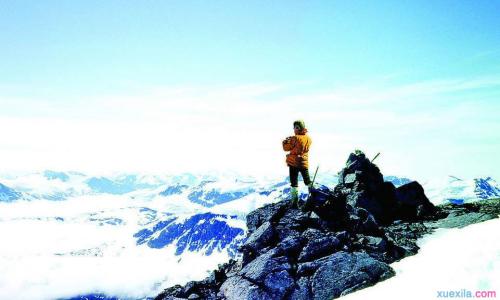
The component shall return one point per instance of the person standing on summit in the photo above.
(298, 158)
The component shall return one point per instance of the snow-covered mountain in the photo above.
(55, 185)
(210, 190)
(204, 233)
(122, 184)
(155, 221)
(397, 181)
(7, 194)
(457, 190)
(486, 188)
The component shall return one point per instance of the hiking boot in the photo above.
(294, 197)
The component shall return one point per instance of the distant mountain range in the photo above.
(179, 216)
(7, 194)
(208, 190)
(218, 204)
(457, 190)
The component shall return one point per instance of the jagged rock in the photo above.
(412, 202)
(260, 238)
(312, 234)
(344, 243)
(367, 223)
(217, 276)
(291, 223)
(302, 290)
(291, 245)
(189, 287)
(363, 186)
(343, 271)
(239, 288)
(264, 265)
(370, 203)
(343, 236)
(360, 170)
(264, 214)
(279, 283)
(386, 193)
(351, 178)
(265, 276)
(309, 268)
(319, 247)
(329, 206)
(294, 219)
(170, 293)
(375, 243)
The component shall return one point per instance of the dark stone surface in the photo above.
(347, 271)
(261, 237)
(267, 213)
(412, 204)
(319, 247)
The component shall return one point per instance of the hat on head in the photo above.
(299, 123)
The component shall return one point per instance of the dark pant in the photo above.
(294, 176)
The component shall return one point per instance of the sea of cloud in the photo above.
(60, 249)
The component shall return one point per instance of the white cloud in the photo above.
(241, 127)
(45, 258)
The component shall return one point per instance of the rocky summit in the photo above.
(342, 240)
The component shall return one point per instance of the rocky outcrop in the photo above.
(363, 186)
(343, 242)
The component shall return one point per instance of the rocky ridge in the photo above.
(343, 241)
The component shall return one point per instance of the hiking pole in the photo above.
(312, 185)
(375, 157)
(314, 177)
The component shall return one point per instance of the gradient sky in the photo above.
(168, 86)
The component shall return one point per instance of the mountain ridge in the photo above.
(210, 190)
(344, 243)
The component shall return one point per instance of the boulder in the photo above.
(278, 284)
(363, 186)
(375, 243)
(302, 290)
(291, 245)
(292, 223)
(263, 266)
(367, 223)
(329, 206)
(261, 237)
(347, 271)
(270, 213)
(269, 273)
(319, 247)
(412, 203)
(239, 288)
(310, 267)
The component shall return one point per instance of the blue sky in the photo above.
(155, 84)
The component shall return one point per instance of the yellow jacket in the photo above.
(298, 146)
